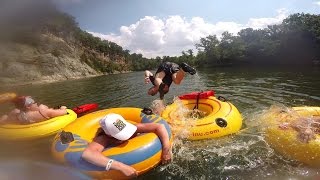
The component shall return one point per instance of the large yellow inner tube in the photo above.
(221, 118)
(6, 97)
(286, 142)
(142, 152)
(36, 130)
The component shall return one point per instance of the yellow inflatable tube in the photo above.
(6, 97)
(222, 118)
(142, 152)
(38, 130)
(286, 142)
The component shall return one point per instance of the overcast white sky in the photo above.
(167, 27)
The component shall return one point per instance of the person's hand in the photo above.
(306, 135)
(63, 107)
(166, 155)
(146, 80)
(129, 171)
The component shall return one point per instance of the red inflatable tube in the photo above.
(85, 108)
(194, 95)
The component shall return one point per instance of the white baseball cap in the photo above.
(116, 126)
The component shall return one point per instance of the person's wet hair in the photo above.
(100, 132)
(21, 102)
(157, 106)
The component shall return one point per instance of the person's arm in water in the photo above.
(308, 128)
(304, 127)
(162, 133)
(93, 155)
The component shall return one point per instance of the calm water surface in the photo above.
(245, 155)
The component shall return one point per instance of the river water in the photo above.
(244, 155)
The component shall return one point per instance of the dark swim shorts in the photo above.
(168, 68)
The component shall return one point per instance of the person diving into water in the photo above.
(167, 73)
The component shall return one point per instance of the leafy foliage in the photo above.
(295, 41)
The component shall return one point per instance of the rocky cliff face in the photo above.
(51, 59)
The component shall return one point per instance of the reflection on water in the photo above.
(245, 155)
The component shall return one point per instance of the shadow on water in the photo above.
(32, 160)
(36, 170)
(245, 155)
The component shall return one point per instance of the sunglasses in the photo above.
(29, 101)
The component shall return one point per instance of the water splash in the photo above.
(245, 155)
(183, 118)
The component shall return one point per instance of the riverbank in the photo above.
(49, 80)
(52, 59)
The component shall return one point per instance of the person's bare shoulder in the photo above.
(42, 106)
(15, 111)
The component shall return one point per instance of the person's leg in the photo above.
(158, 78)
(157, 82)
(155, 88)
(178, 76)
(147, 73)
(187, 68)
